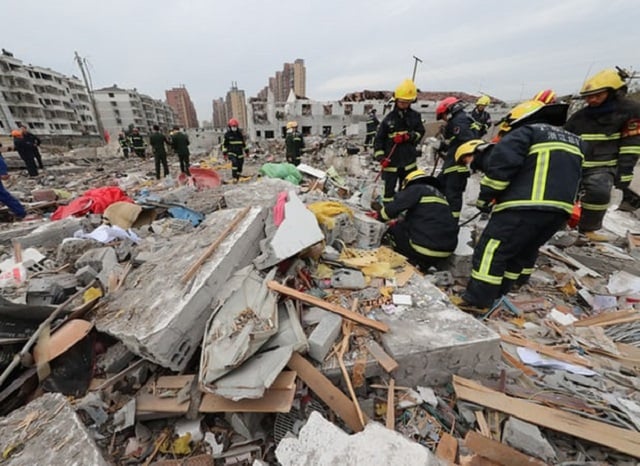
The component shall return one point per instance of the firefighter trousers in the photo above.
(508, 247)
(596, 188)
(391, 181)
(398, 235)
(454, 184)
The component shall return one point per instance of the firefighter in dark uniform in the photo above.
(397, 137)
(372, 127)
(481, 118)
(234, 148)
(456, 131)
(294, 143)
(610, 127)
(137, 143)
(530, 185)
(123, 140)
(428, 233)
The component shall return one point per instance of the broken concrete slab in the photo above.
(299, 230)
(244, 322)
(103, 260)
(50, 234)
(324, 336)
(48, 427)
(70, 249)
(528, 439)
(321, 442)
(163, 320)
(369, 230)
(263, 193)
(433, 339)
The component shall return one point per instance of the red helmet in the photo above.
(546, 97)
(233, 122)
(445, 105)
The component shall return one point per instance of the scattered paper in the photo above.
(535, 359)
(623, 283)
(561, 317)
(402, 299)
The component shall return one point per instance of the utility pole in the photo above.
(81, 65)
(415, 67)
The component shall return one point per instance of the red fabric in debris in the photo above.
(278, 209)
(203, 178)
(93, 201)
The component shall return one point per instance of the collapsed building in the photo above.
(192, 321)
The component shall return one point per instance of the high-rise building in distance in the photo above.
(178, 98)
(292, 77)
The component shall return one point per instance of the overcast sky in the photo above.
(510, 49)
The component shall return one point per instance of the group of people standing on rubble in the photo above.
(132, 142)
(541, 172)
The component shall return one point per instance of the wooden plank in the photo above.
(391, 405)
(188, 275)
(326, 391)
(609, 318)
(344, 346)
(387, 362)
(344, 312)
(519, 365)
(499, 452)
(447, 449)
(546, 350)
(623, 440)
(483, 425)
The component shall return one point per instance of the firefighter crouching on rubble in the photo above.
(397, 137)
(428, 234)
(456, 131)
(530, 185)
(294, 143)
(234, 148)
(610, 127)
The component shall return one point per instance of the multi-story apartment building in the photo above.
(178, 98)
(220, 116)
(268, 118)
(44, 100)
(118, 108)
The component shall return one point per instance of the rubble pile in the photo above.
(264, 322)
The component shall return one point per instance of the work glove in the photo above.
(401, 137)
(373, 214)
(385, 163)
(484, 206)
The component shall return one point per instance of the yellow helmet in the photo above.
(292, 124)
(413, 176)
(519, 113)
(468, 148)
(483, 100)
(406, 91)
(604, 80)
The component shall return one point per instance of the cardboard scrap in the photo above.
(277, 399)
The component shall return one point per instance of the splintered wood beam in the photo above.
(343, 311)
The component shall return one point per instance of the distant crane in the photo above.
(82, 63)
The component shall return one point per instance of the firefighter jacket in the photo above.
(136, 141)
(405, 154)
(481, 121)
(536, 166)
(433, 231)
(294, 143)
(456, 132)
(611, 132)
(234, 143)
(372, 124)
(123, 141)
